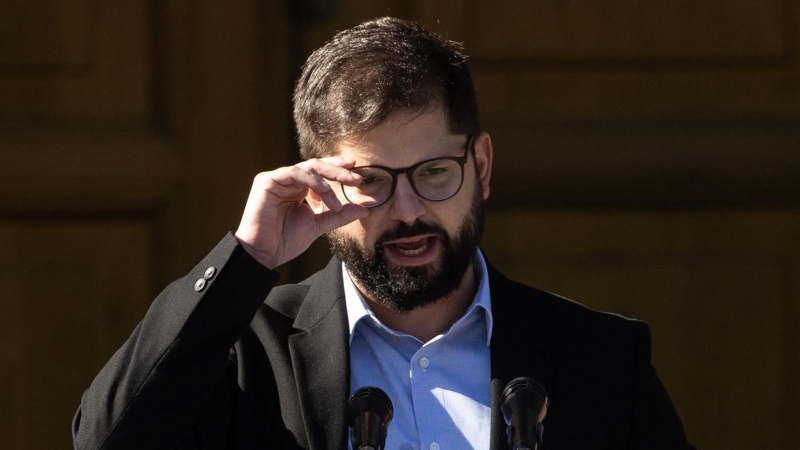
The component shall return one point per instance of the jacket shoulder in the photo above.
(287, 299)
(561, 315)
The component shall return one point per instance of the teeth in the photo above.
(412, 252)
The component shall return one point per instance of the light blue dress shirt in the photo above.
(440, 389)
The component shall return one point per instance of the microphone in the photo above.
(524, 405)
(369, 412)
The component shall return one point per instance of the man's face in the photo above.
(410, 252)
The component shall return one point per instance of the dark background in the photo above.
(646, 163)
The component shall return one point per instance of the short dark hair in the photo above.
(364, 74)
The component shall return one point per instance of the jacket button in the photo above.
(200, 284)
(210, 272)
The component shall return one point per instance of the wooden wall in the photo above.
(646, 164)
(129, 135)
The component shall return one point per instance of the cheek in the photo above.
(453, 212)
(452, 221)
(458, 206)
(368, 230)
(356, 230)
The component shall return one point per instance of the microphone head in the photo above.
(369, 412)
(524, 404)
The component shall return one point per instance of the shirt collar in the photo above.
(357, 308)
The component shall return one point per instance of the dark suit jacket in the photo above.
(224, 369)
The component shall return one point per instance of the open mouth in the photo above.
(412, 250)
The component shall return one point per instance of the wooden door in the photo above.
(129, 135)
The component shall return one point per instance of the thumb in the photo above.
(330, 220)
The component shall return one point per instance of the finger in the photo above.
(330, 199)
(341, 161)
(334, 169)
(306, 179)
(295, 176)
(330, 220)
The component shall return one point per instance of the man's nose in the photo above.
(405, 204)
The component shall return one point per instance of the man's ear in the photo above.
(483, 161)
(315, 202)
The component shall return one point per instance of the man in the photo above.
(396, 173)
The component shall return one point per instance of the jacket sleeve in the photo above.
(656, 424)
(154, 388)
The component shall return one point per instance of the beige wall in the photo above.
(646, 164)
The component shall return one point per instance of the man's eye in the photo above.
(368, 180)
(433, 171)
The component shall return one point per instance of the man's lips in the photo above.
(411, 246)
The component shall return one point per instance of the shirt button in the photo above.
(424, 363)
(434, 446)
(209, 274)
(200, 285)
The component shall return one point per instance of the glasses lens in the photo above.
(375, 187)
(438, 179)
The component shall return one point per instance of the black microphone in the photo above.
(524, 405)
(369, 412)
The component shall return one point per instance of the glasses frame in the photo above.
(461, 160)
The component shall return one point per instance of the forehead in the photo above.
(403, 139)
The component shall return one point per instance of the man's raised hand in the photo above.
(277, 226)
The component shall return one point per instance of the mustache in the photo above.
(403, 230)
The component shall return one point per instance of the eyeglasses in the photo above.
(436, 179)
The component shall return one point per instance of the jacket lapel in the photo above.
(518, 345)
(320, 357)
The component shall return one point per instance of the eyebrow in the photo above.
(464, 147)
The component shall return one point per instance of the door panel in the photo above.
(129, 137)
(73, 290)
(719, 291)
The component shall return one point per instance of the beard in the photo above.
(405, 289)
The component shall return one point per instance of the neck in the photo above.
(431, 320)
